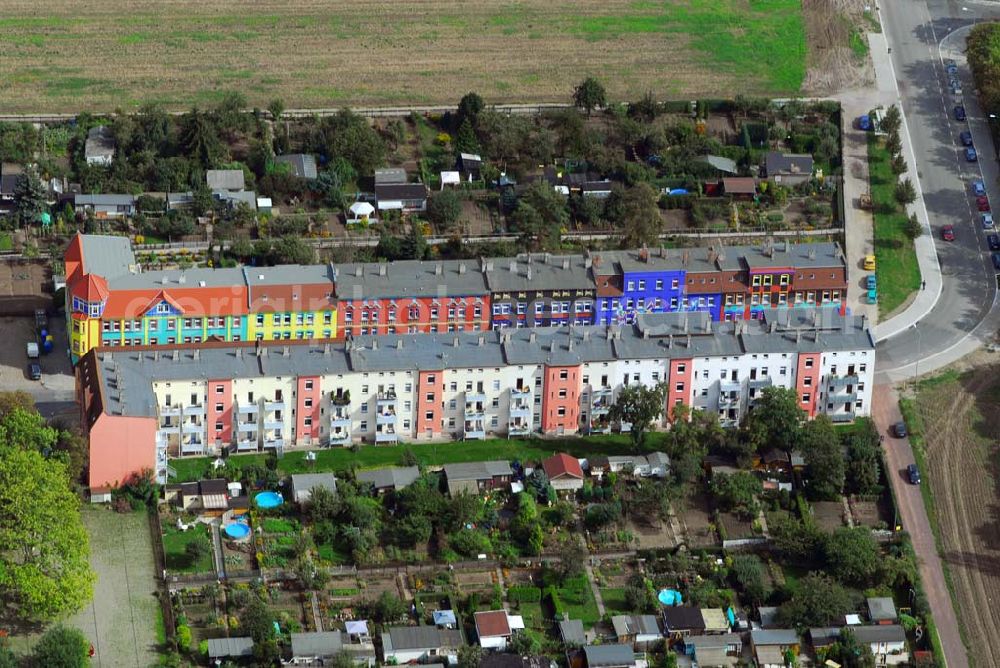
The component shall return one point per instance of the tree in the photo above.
(524, 644)
(748, 572)
(414, 245)
(469, 108)
(641, 221)
(292, 250)
(589, 95)
(850, 653)
(229, 114)
(465, 139)
(906, 192)
(351, 137)
(26, 429)
(388, 608)
(794, 540)
(898, 164)
(44, 571)
(891, 120)
(276, 108)
(199, 138)
(893, 143)
(853, 555)
(686, 443)
(912, 227)
(737, 492)
(16, 400)
(572, 557)
(538, 485)
(863, 458)
(444, 209)
(29, 197)
(198, 548)
(824, 459)
(819, 600)
(470, 656)
(62, 647)
(775, 420)
(257, 620)
(639, 406)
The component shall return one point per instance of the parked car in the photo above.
(970, 154)
(873, 296)
(913, 473)
(978, 188)
(959, 112)
(899, 430)
(869, 264)
(983, 203)
(987, 219)
(948, 232)
(871, 282)
(996, 261)
(864, 122)
(951, 68)
(993, 241)
(965, 137)
(35, 371)
(956, 86)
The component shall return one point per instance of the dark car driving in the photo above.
(913, 473)
(959, 113)
(899, 430)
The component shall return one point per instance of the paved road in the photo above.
(922, 33)
(899, 455)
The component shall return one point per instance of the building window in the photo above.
(219, 389)
(681, 368)
(679, 387)
(561, 411)
(308, 403)
(806, 397)
(809, 363)
(562, 393)
(563, 374)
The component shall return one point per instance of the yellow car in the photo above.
(869, 264)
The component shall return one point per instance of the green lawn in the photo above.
(895, 258)
(176, 541)
(429, 454)
(6, 243)
(534, 618)
(276, 525)
(578, 600)
(614, 600)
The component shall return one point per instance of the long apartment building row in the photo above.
(144, 406)
(111, 302)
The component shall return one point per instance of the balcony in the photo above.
(274, 443)
(340, 436)
(189, 428)
(385, 416)
(164, 433)
(519, 426)
(475, 429)
(340, 398)
(386, 433)
(248, 409)
(249, 427)
(385, 400)
(760, 383)
(842, 417)
(838, 382)
(730, 386)
(340, 418)
(520, 403)
(274, 424)
(600, 425)
(170, 411)
(475, 396)
(474, 409)
(843, 397)
(248, 445)
(272, 406)
(729, 400)
(194, 409)
(193, 447)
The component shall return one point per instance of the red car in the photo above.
(983, 203)
(948, 233)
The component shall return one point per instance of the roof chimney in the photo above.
(326, 350)
(565, 263)
(358, 271)
(286, 351)
(531, 337)
(454, 342)
(383, 269)
(528, 273)
(461, 268)
(788, 246)
(182, 279)
(482, 341)
(513, 266)
(399, 344)
(164, 280)
(197, 354)
(438, 269)
(374, 343)
(644, 254)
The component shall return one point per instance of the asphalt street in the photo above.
(922, 35)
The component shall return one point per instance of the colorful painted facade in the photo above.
(112, 303)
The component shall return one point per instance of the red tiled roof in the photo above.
(194, 301)
(493, 623)
(91, 288)
(562, 465)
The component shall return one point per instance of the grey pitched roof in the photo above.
(879, 633)
(721, 163)
(104, 200)
(823, 636)
(421, 637)
(788, 163)
(538, 271)
(571, 631)
(714, 641)
(881, 608)
(178, 278)
(303, 165)
(233, 197)
(305, 482)
(410, 278)
(396, 477)
(317, 643)
(768, 615)
(394, 191)
(658, 459)
(107, 256)
(225, 179)
(563, 346)
(609, 655)
(289, 274)
(774, 636)
(223, 647)
(477, 470)
(719, 258)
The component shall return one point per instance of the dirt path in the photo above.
(961, 424)
(898, 455)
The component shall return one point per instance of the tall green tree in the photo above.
(469, 108)
(27, 429)
(748, 572)
(821, 448)
(589, 95)
(641, 222)
(853, 555)
(738, 492)
(29, 197)
(819, 600)
(775, 421)
(199, 139)
(443, 210)
(62, 647)
(44, 571)
(639, 406)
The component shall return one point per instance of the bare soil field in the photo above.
(961, 428)
(108, 54)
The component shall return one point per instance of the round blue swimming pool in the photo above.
(237, 530)
(669, 597)
(268, 500)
